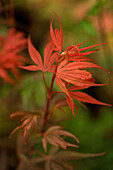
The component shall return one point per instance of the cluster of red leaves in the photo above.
(69, 73)
(68, 67)
(10, 47)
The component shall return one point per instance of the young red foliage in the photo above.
(53, 136)
(11, 45)
(29, 121)
(71, 66)
(74, 74)
(14, 42)
(69, 73)
(49, 58)
(81, 97)
(57, 37)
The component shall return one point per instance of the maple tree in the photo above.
(68, 72)
(67, 67)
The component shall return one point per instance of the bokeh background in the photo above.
(81, 20)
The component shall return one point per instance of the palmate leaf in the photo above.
(49, 58)
(75, 51)
(54, 136)
(81, 97)
(71, 73)
(29, 122)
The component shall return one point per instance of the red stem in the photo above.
(47, 105)
(48, 101)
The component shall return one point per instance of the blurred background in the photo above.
(81, 20)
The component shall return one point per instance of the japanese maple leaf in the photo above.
(74, 73)
(11, 45)
(49, 57)
(14, 41)
(54, 136)
(9, 63)
(29, 121)
(73, 50)
(81, 97)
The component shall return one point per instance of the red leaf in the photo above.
(70, 104)
(57, 37)
(86, 48)
(61, 84)
(77, 87)
(34, 54)
(81, 65)
(30, 68)
(85, 53)
(47, 53)
(49, 58)
(79, 58)
(14, 41)
(52, 59)
(52, 34)
(71, 75)
(86, 98)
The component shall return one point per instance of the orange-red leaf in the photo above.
(70, 104)
(81, 65)
(47, 53)
(61, 84)
(86, 98)
(34, 54)
(31, 67)
(57, 37)
(14, 41)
